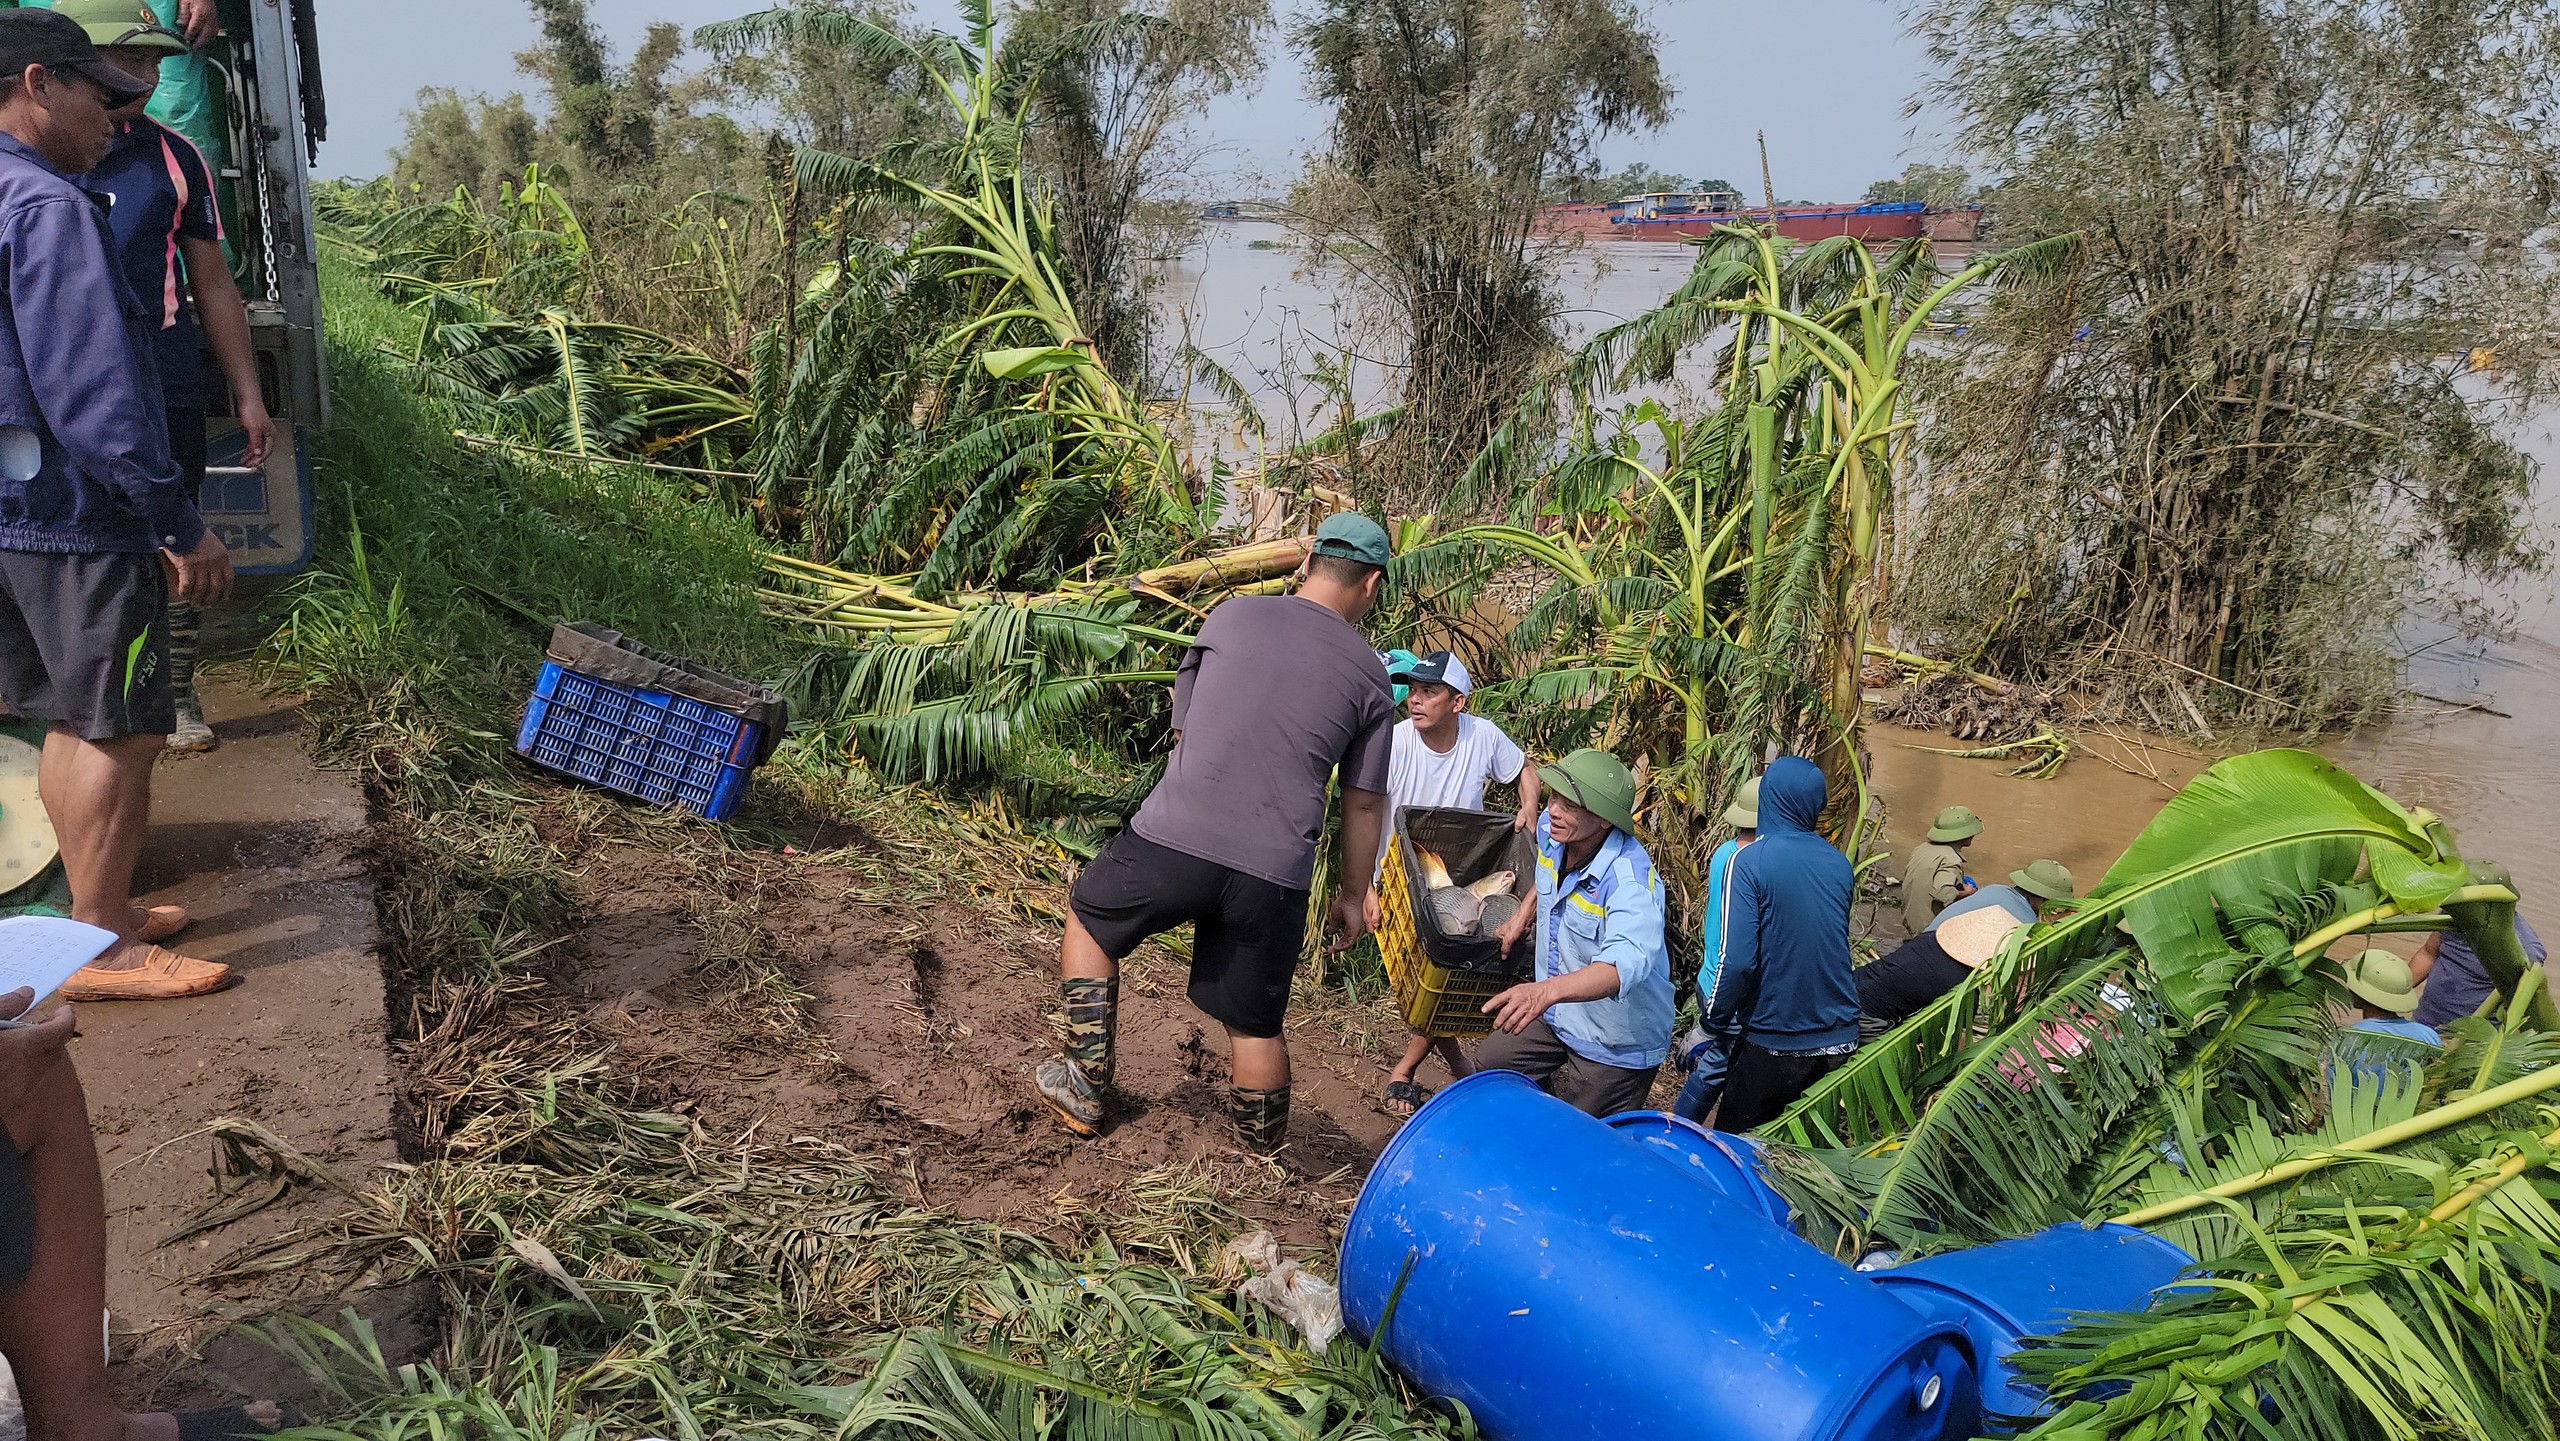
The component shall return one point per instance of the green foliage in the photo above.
(455, 564)
(1708, 579)
(1450, 120)
(892, 415)
(1117, 83)
(2240, 433)
(2400, 1295)
(499, 290)
(2035, 1091)
(1635, 179)
(1928, 184)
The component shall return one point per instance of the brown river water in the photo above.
(2492, 772)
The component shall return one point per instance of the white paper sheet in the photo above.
(41, 952)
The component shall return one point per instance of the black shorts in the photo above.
(84, 642)
(1248, 931)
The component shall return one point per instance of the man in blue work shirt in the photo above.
(166, 225)
(95, 525)
(1595, 1025)
(1785, 996)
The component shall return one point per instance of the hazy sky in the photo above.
(1834, 123)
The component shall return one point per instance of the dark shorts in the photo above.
(1247, 931)
(17, 1216)
(84, 642)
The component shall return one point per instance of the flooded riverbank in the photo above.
(2480, 744)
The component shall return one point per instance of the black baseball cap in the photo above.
(56, 42)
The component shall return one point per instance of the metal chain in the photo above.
(266, 213)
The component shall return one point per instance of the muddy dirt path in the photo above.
(915, 1031)
(260, 845)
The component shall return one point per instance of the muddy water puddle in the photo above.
(2083, 817)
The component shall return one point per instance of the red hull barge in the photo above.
(1679, 217)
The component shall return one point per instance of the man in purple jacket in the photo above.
(95, 524)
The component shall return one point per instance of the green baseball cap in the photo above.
(1744, 813)
(2381, 980)
(1596, 781)
(121, 22)
(1954, 824)
(2049, 879)
(1352, 536)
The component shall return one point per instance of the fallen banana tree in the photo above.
(1709, 578)
(950, 687)
(2374, 1222)
(939, 403)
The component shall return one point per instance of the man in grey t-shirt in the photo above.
(1275, 694)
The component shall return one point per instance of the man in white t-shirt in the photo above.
(1444, 757)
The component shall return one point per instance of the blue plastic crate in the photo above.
(668, 750)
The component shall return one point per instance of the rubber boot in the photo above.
(1261, 1117)
(1073, 1084)
(186, 629)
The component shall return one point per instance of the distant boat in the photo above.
(1682, 214)
(1224, 210)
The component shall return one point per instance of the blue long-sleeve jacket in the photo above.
(1609, 912)
(1785, 982)
(84, 439)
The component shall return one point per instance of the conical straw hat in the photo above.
(1975, 936)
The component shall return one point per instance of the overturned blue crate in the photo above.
(652, 726)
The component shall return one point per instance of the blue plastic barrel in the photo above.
(2004, 1292)
(1567, 1285)
(1725, 1161)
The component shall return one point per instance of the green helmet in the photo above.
(121, 22)
(2050, 880)
(1596, 781)
(2381, 980)
(1744, 813)
(1954, 824)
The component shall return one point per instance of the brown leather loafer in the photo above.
(162, 923)
(163, 975)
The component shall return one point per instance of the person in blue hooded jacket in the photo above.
(1785, 999)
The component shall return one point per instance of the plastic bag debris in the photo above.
(1291, 1291)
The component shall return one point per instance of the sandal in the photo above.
(226, 1423)
(162, 923)
(164, 975)
(1405, 1097)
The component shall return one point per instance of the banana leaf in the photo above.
(2216, 1007)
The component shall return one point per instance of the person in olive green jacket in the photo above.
(1935, 878)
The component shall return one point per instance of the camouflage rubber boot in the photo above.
(186, 628)
(1092, 1011)
(1076, 1102)
(1072, 1085)
(1261, 1117)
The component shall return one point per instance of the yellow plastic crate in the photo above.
(1434, 999)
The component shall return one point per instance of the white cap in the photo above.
(1441, 668)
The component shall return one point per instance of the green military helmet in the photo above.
(1955, 823)
(121, 22)
(1596, 781)
(1744, 813)
(2048, 879)
(2382, 980)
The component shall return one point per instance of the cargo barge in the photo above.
(1682, 215)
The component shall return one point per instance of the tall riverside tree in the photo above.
(1451, 120)
(2223, 453)
(1115, 84)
